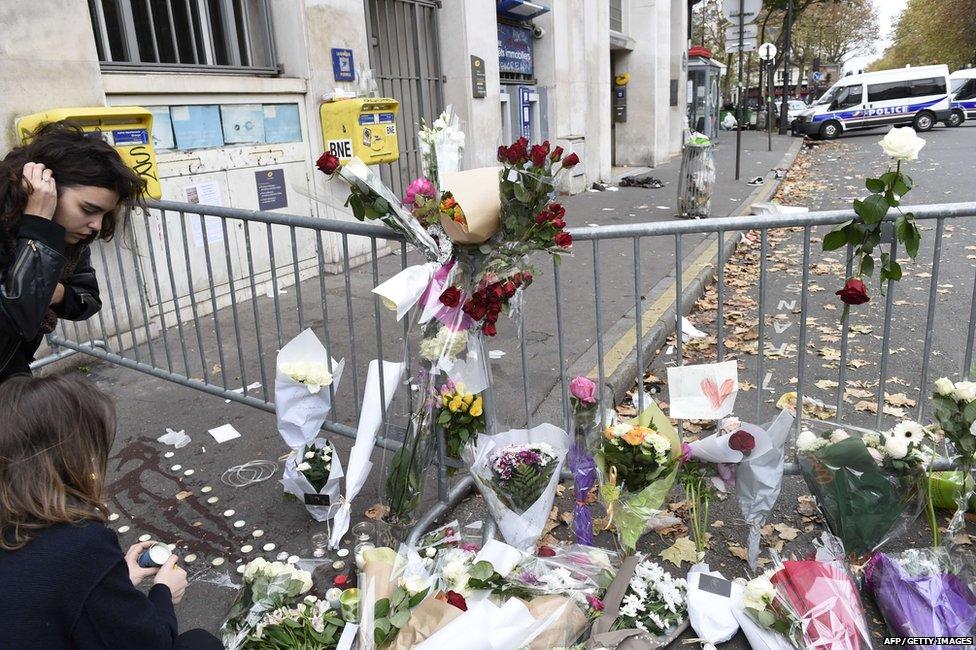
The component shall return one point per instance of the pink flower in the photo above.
(419, 187)
(583, 389)
(595, 603)
(685, 452)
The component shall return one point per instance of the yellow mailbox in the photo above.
(364, 127)
(127, 128)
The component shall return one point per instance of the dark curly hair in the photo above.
(76, 158)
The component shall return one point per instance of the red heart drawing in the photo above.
(717, 396)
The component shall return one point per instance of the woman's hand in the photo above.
(58, 295)
(174, 577)
(43, 200)
(137, 573)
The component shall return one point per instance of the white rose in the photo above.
(309, 454)
(758, 593)
(964, 391)
(414, 584)
(431, 552)
(896, 447)
(807, 440)
(306, 579)
(902, 143)
(943, 386)
(253, 567)
(838, 435)
(304, 467)
(731, 425)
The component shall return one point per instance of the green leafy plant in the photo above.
(392, 613)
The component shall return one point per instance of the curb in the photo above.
(623, 377)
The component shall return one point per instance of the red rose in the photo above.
(475, 310)
(512, 155)
(497, 292)
(556, 210)
(451, 297)
(570, 161)
(456, 599)
(546, 551)
(854, 292)
(538, 155)
(564, 239)
(742, 441)
(489, 329)
(556, 154)
(558, 224)
(328, 163)
(527, 278)
(542, 217)
(517, 279)
(494, 310)
(509, 288)
(502, 153)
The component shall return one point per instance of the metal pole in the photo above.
(769, 104)
(738, 126)
(786, 75)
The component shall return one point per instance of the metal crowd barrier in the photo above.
(193, 287)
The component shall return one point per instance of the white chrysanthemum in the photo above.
(872, 439)
(896, 447)
(809, 441)
(445, 343)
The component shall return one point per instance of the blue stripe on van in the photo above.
(863, 114)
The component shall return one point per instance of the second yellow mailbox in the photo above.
(364, 127)
(127, 128)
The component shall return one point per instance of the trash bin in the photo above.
(696, 178)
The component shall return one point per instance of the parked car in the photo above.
(793, 109)
(916, 96)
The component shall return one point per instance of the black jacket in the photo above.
(69, 588)
(28, 276)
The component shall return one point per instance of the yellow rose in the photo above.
(455, 404)
(476, 407)
(468, 398)
(446, 399)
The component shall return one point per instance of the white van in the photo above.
(962, 86)
(917, 96)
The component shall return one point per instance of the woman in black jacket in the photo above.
(64, 581)
(58, 193)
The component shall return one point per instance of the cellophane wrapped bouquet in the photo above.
(954, 407)
(870, 486)
(638, 461)
(313, 475)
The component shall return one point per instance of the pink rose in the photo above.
(685, 452)
(584, 390)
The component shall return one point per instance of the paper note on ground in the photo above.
(225, 432)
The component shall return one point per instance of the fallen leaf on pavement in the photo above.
(376, 511)
(826, 384)
(739, 552)
(683, 550)
(866, 406)
(786, 532)
(184, 494)
(899, 399)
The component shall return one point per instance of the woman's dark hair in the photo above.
(54, 444)
(76, 159)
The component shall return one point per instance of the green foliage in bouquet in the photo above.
(392, 613)
(315, 464)
(520, 473)
(309, 626)
(637, 465)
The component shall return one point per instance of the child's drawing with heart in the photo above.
(717, 394)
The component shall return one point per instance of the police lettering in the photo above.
(891, 110)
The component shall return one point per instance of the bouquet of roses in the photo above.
(309, 625)
(866, 499)
(305, 384)
(767, 621)
(954, 406)
(517, 472)
(638, 462)
(823, 597)
(924, 592)
(313, 474)
(462, 416)
(267, 587)
(581, 462)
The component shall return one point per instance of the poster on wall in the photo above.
(271, 189)
(514, 49)
(205, 193)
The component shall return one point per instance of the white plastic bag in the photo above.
(710, 598)
(299, 409)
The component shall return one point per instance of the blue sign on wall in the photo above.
(342, 64)
(514, 49)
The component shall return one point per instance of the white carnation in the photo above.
(808, 441)
(838, 435)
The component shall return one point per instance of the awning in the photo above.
(520, 9)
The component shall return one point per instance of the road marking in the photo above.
(777, 326)
(786, 306)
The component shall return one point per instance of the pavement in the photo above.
(153, 494)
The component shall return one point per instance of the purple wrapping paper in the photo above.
(927, 605)
(583, 467)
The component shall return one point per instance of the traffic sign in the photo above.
(767, 51)
(817, 76)
(750, 9)
(748, 45)
(749, 30)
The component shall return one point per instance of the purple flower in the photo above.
(419, 187)
(685, 452)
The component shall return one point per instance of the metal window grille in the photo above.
(184, 35)
(616, 15)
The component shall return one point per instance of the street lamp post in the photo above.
(786, 71)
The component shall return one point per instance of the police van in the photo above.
(917, 96)
(962, 86)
